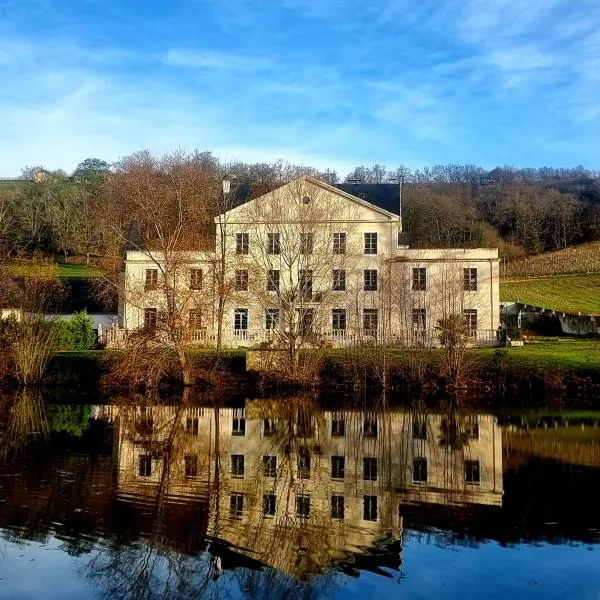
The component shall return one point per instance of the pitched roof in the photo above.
(385, 196)
(382, 195)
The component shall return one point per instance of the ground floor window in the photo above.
(306, 319)
(238, 426)
(191, 465)
(272, 318)
(338, 319)
(370, 320)
(419, 318)
(192, 425)
(470, 315)
(150, 318)
(240, 319)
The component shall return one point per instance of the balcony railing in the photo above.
(339, 338)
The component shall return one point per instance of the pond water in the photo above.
(295, 498)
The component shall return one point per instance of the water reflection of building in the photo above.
(301, 489)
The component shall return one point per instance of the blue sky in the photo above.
(329, 83)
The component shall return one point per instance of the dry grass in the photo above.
(584, 258)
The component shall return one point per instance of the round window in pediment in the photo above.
(306, 200)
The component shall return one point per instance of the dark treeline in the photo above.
(87, 212)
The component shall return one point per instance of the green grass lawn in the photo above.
(64, 270)
(549, 355)
(564, 293)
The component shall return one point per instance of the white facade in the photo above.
(311, 261)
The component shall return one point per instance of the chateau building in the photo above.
(318, 263)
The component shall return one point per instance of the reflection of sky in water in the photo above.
(33, 570)
(115, 485)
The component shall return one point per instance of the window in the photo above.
(269, 427)
(306, 318)
(273, 280)
(241, 280)
(306, 243)
(192, 425)
(273, 246)
(269, 505)
(303, 506)
(338, 465)
(237, 465)
(240, 319)
(370, 508)
(305, 279)
(471, 427)
(145, 426)
(370, 427)
(339, 243)
(420, 470)
(195, 279)
(370, 469)
(338, 319)
(150, 318)
(238, 427)
(370, 243)
(470, 280)
(419, 279)
(370, 280)
(272, 317)
(236, 505)
(196, 319)
(190, 463)
(270, 466)
(337, 507)
(370, 320)
(419, 429)
(339, 280)
(419, 318)
(151, 279)
(470, 315)
(304, 462)
(472, 472)
(338, 427)
(241, 243)
(145, 469)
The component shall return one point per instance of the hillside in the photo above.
(565, 293)
(574, 259)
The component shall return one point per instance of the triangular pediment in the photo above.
(308, 189)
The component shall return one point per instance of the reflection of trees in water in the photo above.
(24, 422)
(152, 567)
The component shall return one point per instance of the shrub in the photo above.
(77, 333)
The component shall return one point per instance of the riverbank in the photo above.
(562, 367)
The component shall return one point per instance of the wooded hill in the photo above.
(90, 211)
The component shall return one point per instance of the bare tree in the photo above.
(170, 200)
(300, 248)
